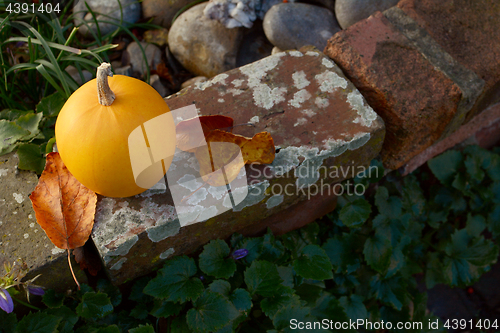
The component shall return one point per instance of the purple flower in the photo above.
(238, 254)
(6, 302)
(38, 291)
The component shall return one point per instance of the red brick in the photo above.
(416, 100)
(483, 130)
(469, 30)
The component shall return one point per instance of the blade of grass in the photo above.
(71, 35)
(51, 56)
(50, 68)
(41, 69)
(38, 42)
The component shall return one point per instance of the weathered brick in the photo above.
(483, 130)
(469, 31)
(22, 238)
(416, 100)
(318, 120)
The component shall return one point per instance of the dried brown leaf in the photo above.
(64, 208)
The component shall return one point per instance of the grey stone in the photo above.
(203, 46)
(125, 70)
(238, 13)
(349, 12)
(105, 10)
(293, 25)
(75, 75)
(136, 58)
(162, 11)
(155, 82)
(22, 238)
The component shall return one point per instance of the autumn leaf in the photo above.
(188, 133)
(64, 208)
(226, 153)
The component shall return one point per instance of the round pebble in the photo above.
(203, 46)
(111, 12)
(349, 12)
(293, 25)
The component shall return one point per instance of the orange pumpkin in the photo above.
(118, 137)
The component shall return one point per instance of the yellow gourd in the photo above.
(93, 135)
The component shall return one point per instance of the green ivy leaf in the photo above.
(354, 307)
(262, 278)
(241, 299)
(272, 250)
(9, 322)
(10, 133)
(175, 282)
(220, 286)
(12, 114)
(493, 169)
(163, 309)
(413, 199)
(494, 221)
(29, 122)
(377, 252)
(105, 286)
(355, 213)
(475, 225)
(68, 318)
(109, 329)
(446, 166)
(434, 273)
(271, 305)
(38, 322)
(51, 105)
(390, 291)
(53, 299)
(286, 274)
(210, 312)
(140, 311)
(215, 261)
(309, 233)
(94, 305)
(328, 307)
(294, 242)
(313, 263)
(143, 329)
(31, 157)
(341, 251)
(390, 206)
(137, 294)
(473, 166)
(281, 319)
(467, 258)
(253, 246)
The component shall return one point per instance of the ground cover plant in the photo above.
(438, 225)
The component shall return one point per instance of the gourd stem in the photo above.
(105, 94)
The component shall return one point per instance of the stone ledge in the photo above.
(22, 238)
(317, 118)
